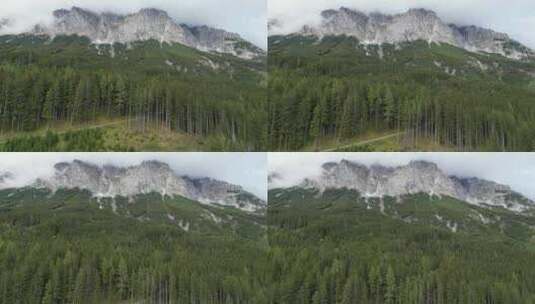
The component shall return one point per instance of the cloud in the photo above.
(244, 169)
(246, 17)
(516, 17)
(514, 169)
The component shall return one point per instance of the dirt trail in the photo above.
(365, 142)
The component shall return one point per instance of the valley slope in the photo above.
(126, 234)
(441, 86)
(156, 73)
(411, 242)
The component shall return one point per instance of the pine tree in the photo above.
(389, 107)
(346, 125)
(391, 288)
(122, 279)
(349, 292)
(51, 102)
(119, 97)
(317, 121)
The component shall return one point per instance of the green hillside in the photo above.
(69, 80)
(338, 247)
(436, 94)
(68, 247)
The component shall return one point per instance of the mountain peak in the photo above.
(422, 12)
(153, 12)
(422, 164)
(155, 165)
(150, 176)
(60, 13)
(415, 24)
(418, 176)
(146, 24)
(78, 9)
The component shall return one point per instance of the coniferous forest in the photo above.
(340, 89)
(148, 85)
(104, 230)
(67, 247)
(338, 247)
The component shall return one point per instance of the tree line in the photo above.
(90, 140)
(338, 89)
(64, 248)
(305, 109)
(322, 249)
(34, 97)
(332, 249)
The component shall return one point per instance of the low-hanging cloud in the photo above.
(514, 169)
(245, 17)
(244, 169)
(516, 17)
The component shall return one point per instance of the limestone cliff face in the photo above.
(148, 177)
(416, 177)
(149, 23)
(415, 24)
(378, 181)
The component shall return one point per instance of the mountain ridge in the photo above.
(415, 24)
(111, 181)
(379, 181)
(108, 28)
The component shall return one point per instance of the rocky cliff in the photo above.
(415, 24)
(148, 177)
(149, 23)
(416, 177)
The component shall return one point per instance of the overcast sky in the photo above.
(244, 169)
(515, 17)
(246, 17)
(514, 169)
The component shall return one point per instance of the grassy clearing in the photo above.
(110, 135)
(376, 141)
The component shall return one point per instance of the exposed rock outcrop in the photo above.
(148, 177)
(148, 23)
(416, 177)
(415, 24)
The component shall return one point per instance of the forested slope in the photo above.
(68, 247)
(70, 80)
(337, 247)
(336, 87)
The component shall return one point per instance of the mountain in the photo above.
(139, 239)
(134, 71)
(417, 177)
(147, 24)
(148, 177)
(406, 82)
(405, 234)
(413, 25)
(338, 244)
(113, 247)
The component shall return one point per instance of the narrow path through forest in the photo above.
(365, 142)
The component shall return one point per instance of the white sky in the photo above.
(514, 17)
(246, 17)
(244, 169)
(514, 169)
